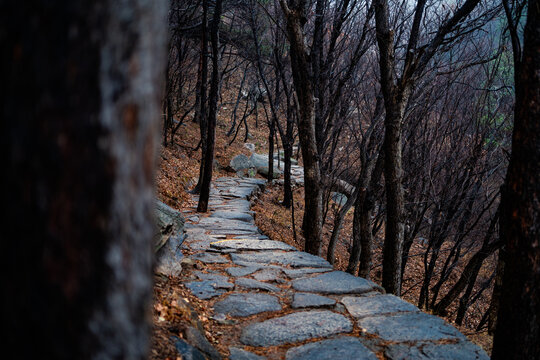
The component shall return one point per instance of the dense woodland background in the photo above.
(424, 114)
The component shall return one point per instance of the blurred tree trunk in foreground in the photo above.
(517, 335)
(79, 135)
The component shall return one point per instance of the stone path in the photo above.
(280, 303)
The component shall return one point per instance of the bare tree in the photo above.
(397, 89)
(295, 14)
(208, 151)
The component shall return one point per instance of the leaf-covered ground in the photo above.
(175, 308)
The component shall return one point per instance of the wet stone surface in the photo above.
(204, 289)
(275, 296)
(295, 327)
(430, 351)
(241, 354)
(345, 347)
(304, 300)
(254, 245)
(254, 284)
(410, 327)
(335, 282)
(376, 305)
(247, 304)
(294, 258)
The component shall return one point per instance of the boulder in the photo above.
(260, 161)
(240, 162)
(339, 198)
(168, 240)
(170, 222)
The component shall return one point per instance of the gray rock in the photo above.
(260, 161)
(234, 205)
(295, 327)
(409, 327)
(269, 274)
(276, 171)
(169, 257)
(233, 215)
(232, 231)
(461, 350)
(252, 237)
(169, 223)
(376, 305)
(195, 338)
(344, 347)
(247, 304)
(204, 289)
(187, 351)
(254, 284)
(240, 162)
(304, 300)
(220, 223)
(294, 258)
(243, 192)
(250, 147)
(252, 245)
(296, 273)
(218, 281)
(339, 198)
(335, 282)
(210, 258)
(242, 271)
(240, 354)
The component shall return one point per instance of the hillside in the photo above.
(176, 308)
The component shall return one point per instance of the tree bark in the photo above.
(312, 222)
(202, 95)
(208, 152)
(518, 334)
(80, 130)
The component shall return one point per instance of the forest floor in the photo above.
(175, 308)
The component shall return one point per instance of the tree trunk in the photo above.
(80, 130)
(208, 152)
(203, 113)
(518, 334)
(312, 222)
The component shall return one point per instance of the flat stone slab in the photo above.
(463, 351)
(255, 245)
(242, 271)
(216, 223)
(204, 289)
(254, 284)
(376, 305)
(297, 273)
(269, 274)
(241, 354)
(218, 281)
(304, 300)
(293, 258)
(344, 347)
(410, 327)
(232, 231)
(295, 327)
(233, 215)
(335, 282)
(247, 304)
(210, 258)
(252, 237)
